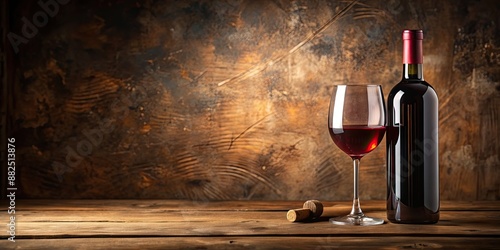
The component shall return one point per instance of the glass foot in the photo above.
(356, 220)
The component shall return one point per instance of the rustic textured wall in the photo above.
(228, 99)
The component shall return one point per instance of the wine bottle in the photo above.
(412, 141)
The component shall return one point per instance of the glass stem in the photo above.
(356, 207)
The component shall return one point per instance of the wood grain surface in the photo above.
(174, 224)
(227, 100)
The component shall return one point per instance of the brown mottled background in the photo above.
(214, 100)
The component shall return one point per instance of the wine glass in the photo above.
(356, 122)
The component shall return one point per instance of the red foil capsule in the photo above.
(412, 46)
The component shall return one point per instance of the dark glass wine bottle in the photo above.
(412, 141)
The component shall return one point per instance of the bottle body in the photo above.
(412, 154)
(412, 141)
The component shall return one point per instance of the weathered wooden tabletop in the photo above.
(171, 224)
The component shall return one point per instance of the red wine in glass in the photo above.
(356, 122)
(357, 140)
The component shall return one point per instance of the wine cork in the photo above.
(300, 214)
(311, 210)
(315, 206)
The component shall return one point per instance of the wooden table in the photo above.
(170, 224)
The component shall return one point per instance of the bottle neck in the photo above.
(413, 72)
(413, 55)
